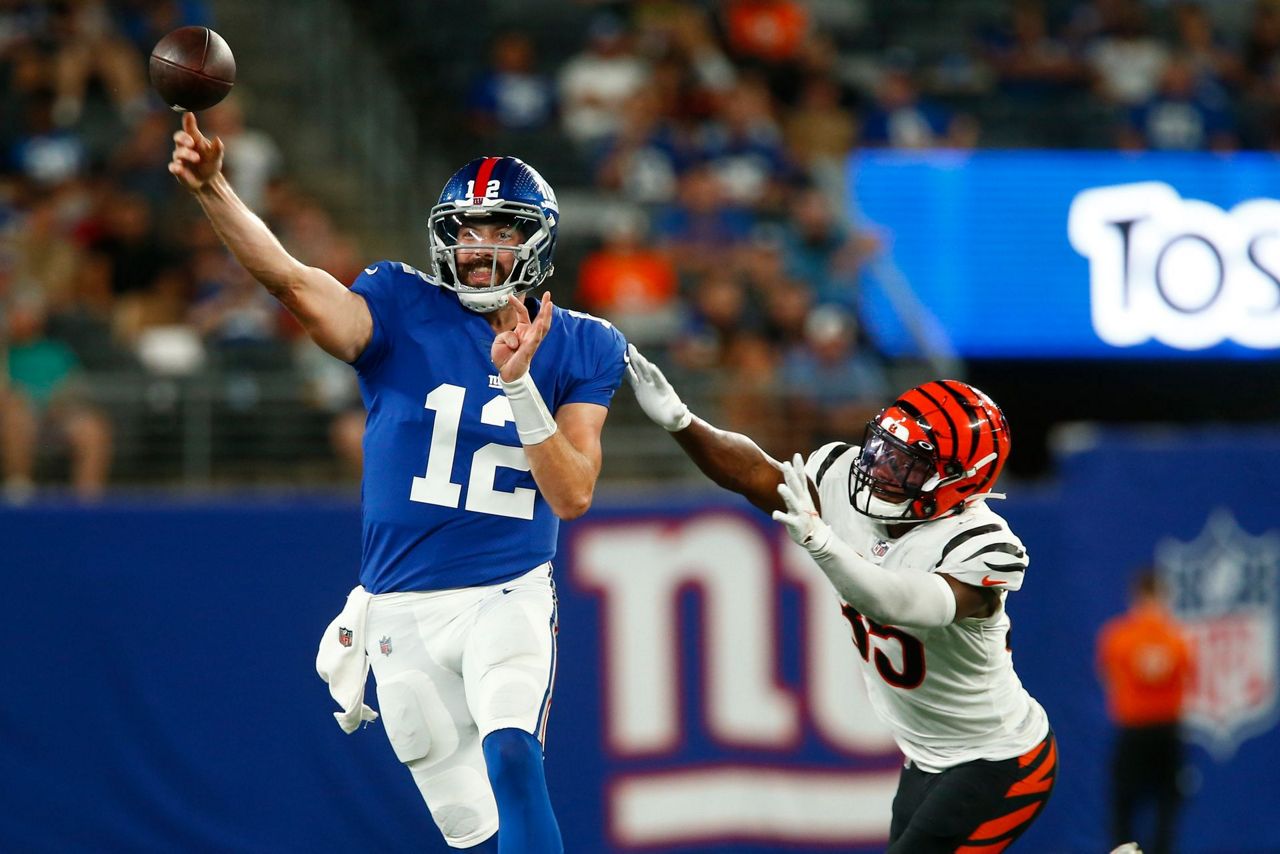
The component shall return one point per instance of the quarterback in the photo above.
(474, 450)
(901, 528)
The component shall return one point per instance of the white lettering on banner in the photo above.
(811, 808)
(641, 571)
(842, 713)
(1180, 271)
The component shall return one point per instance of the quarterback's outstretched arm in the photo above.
(731, 460)
(336, 318)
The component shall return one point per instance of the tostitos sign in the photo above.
(1179, 271)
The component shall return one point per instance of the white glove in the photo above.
(904, 598)
(801, 518)
(656, 396)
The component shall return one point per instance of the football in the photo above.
(192, 68)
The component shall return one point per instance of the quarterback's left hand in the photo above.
(513, 351)
(801, 518)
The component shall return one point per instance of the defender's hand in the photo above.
(512, 351)
(656, 396)
(801, 518)
(197, 160)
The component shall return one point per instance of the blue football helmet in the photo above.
(499, 190)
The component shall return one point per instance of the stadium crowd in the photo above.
(715, 132)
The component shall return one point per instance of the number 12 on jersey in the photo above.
(436, 487)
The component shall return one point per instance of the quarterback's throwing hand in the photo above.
(656, 396)
(801, 518)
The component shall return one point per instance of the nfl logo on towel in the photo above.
(344, 636)
(384, 645)
(1225, 588)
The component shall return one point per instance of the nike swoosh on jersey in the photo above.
(369, 271)
(988, 581)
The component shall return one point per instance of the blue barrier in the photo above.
(162, 696)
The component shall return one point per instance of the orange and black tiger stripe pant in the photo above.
(979, 807)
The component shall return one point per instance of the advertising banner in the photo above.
(1081, 254)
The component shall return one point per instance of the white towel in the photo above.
(342, 662)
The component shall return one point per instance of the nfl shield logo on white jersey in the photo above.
(1225, 588)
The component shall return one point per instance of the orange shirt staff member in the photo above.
(1145, 664)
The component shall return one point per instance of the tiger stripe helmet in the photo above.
(929, 452)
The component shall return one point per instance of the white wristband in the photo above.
(534, 422)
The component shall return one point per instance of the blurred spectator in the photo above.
(596, 83)
(144, 22)
(643, 160)
(1179, 117)
(151, 322)
(1145, 663)
(718, 316)
(821, 250)
(26, 75)
(820, 131)
(334, 391)
(748, 376)
(45, 259)
(743, 146)
(43, 152)
(1028, 61)
(769, 35)
(43, 399)
(786, 309)
(831, 381)
(239, 320)
(1127, 60)
(628, 283)
(900, 118)
(88, 48)
(711, 74)
(510, 94)
(1262, 46)
(252, 159)
(130, 245)
(766, 30)
(138, 164)
(701, 230)
(1214, 67)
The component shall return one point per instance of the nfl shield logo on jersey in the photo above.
(1225, 588)
(384, 645)
(344, 636)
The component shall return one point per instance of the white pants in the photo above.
(451, 667)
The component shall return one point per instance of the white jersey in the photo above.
(950, 694)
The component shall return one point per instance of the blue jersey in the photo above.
(447, 498)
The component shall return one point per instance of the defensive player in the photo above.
(473, 450)
(922, 567)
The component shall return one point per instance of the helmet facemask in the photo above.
(447, 226)
(892, 477)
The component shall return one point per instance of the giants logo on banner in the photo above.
(1226, 588)
(733, 703)
(1181, 271)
